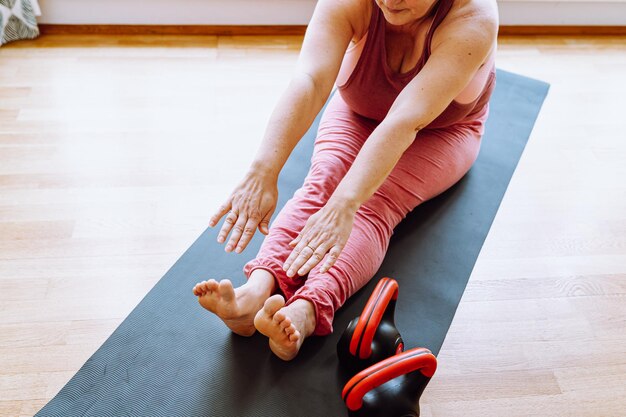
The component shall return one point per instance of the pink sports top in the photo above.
(372, 86)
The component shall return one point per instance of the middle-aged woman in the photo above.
(414, 78)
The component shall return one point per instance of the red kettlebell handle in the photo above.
(386, 290)
(384, 371)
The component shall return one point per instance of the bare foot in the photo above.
(287, 327)
(236, 307)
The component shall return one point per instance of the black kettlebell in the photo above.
(391, 388)
(373, 335)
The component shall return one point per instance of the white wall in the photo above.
(173, 12)
(298, 12)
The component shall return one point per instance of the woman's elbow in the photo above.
(402, 122)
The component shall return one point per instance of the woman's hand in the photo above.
(250, 205)
(326, 231)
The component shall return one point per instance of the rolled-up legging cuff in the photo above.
(273, 268)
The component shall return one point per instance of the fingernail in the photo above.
(238, 250)
(220, 239)
(229, 248)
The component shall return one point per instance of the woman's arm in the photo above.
(252, 203)
(326, 40)
(464, 45)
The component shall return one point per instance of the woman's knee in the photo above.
(323, 178)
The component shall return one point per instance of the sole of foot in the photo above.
(237, 309)
(274, 320)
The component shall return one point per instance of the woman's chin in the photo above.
(396, 19)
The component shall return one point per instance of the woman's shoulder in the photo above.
(476, 18)
(467, 11)
(357, 12)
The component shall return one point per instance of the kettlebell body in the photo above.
(391, 388)
(373, 336)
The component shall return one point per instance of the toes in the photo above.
(204, 287)
(200, 289)
(264, 319)
(284, 324)
(196, 290)
(211, 285)
(273, 304)
(226, 290)
(294, 337)
(279, 317)
(291, 329)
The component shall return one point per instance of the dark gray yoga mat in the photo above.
(171, 358)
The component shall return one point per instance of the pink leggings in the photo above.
(434, 162)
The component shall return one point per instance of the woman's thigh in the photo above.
(340, 136)
(435, 161)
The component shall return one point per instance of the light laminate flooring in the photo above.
(115, 150)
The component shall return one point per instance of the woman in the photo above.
(405, 125)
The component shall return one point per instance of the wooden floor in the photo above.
(114, 151)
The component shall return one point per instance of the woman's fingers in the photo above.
(241, 224)
(300, 254)
(297, 247)
(248, 232)
(223, 209)
(264, 226)
(305, 256)
(237, 231)
(290, 259)
(295, 242)
(315, 258)
(250, 206)
(331, 258)
(328, 229)
(229, 222)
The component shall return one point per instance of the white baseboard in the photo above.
(298, 12)
(565, 13)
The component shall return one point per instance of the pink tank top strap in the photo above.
(372, 86)
(441, 10)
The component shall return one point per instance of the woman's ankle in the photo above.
(261, 280)
(309, 319)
